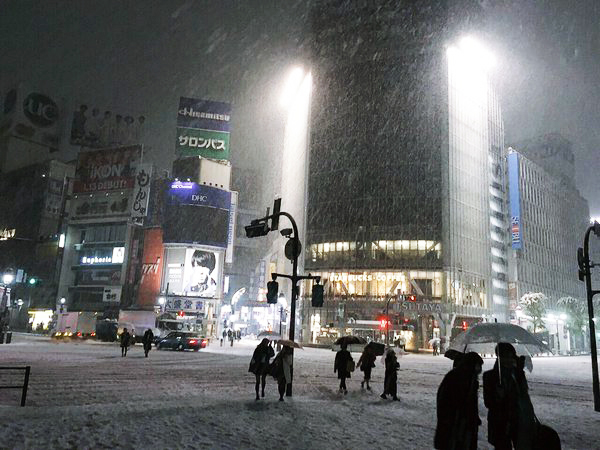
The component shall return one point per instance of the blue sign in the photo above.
(190, 193)
(203, 114)
(515, 200)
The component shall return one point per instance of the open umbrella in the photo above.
(349, 340)
(377, 347)
(271, 335)
(483, 337)
(434, 341)
(289, 343)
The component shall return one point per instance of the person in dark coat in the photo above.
(282, 369)
(125, 338)
(230, 336)
(147, 340)
(457, 406)
(366, 362)
(259, 364)
(390, 382)
(342, 360)
(511, 418)
(223, 338)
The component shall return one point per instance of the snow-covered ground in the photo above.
(84, 395)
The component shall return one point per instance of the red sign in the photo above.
(107, 170)
(151, 267)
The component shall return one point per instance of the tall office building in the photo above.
(406, 176)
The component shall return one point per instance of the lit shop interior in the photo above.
(355, 303)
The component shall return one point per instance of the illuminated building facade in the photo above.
(406, 176)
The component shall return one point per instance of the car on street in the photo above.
(180, 340)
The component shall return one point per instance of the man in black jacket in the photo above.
(457, 406)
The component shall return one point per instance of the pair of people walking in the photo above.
(511, 418)
(280, 369)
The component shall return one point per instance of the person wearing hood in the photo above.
(282, 369)
(511, 418)
(259, 365)
(342, 359)
(366, 362)
(390, 382)
(457, 406)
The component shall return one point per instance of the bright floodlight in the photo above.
(563, 316)
(161, 300)
(551, 316)
(291, 86)
(472, 55)
(8, 278)
(63, 300)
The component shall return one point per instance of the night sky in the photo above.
(140, 57)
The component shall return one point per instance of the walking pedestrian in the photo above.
(239, 335)
(343, 365)
(457, 406)
(436, 347)
(125, 338)
(282, 370)
(147, 341)
(366, 362)
(511, 418)
(230, 336)
(390, 383)
(224, 335)
(259, 364)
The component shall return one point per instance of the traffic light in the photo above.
(317, 296)
(411, 298)
(464, 326)
(257, 229)
(272, 290)
(383, 323)
(32, 281)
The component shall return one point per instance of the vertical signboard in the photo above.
(515, 200)
(141, 191)
(203, 128)
(231, 230)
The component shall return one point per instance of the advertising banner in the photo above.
(31, 116)
(515, 200)
(193, 272)
(151, 268)
(107, 170)
(141, 191)
(111, 294)
(231, 229)
(196, 214)
(203, 128)
(96, 129)
(113, 205)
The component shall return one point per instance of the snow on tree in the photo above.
(534, 304)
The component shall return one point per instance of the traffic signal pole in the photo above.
(294, 278)
(585, 270)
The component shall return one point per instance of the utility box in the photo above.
(205, 171)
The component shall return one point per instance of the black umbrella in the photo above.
(271, 335)
(377, 347)
(349, 340)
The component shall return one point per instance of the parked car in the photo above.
(179, 340)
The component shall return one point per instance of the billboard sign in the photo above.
(203, 128)
(141, 191)
(196, 214)
(88, 207)
(107, 170)
(96, 129)
(515, 200)
(193, 272)
(111, 294)
(31, 116)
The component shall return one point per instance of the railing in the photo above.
(25, 384)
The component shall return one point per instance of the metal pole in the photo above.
(557, 338)
(592, 324)
(25, 385)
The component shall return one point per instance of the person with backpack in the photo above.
(390, 383)
(259, 364)
(343, 365)
(366, 362)
(458, 406)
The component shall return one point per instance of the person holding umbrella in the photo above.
(366, 362)
(343, 363)
(457, 406)
(259, 365)
(511, 418)
(282, 369)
